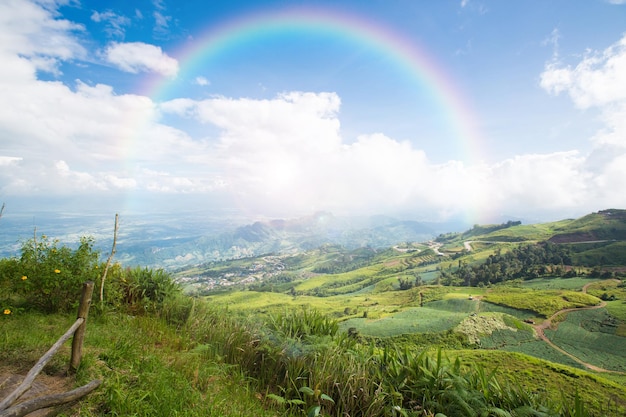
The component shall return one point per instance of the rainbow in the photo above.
(402, 52)
(408, 58)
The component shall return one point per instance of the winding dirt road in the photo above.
(539, 328)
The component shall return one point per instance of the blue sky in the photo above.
(425, 110)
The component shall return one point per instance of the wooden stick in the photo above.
(26, 407)
(79, 336)
(32, 374)
(106, 267)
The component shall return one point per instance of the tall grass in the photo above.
(362, 380)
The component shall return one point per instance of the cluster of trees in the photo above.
(407, 284)
(524, 261)
(477, 230)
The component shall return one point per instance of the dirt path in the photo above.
(10, 378)
(539, 328)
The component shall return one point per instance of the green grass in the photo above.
(612, 288)
(219, 364)
(590, 336)
(340, 306)
(542, 302)
(617, 309)
(541, 350)
(147, 368)
(557, 283)
(602, 395)
(608, 254)
(412, 320)
(463, 305)
(505, 338)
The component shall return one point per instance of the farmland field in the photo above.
(590, 336)
(612, 289)
(478, 306)
(412, 320)
(540, 349)
(543, 302)
(556, 283)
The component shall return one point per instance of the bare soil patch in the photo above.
(11, 377)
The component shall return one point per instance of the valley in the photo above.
(536, 312)
(562, 304)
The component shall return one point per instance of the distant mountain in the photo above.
(277, 236)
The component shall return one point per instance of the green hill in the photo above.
(334, 331)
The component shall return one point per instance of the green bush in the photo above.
(146, 290)
(299, 324)
(48, 277)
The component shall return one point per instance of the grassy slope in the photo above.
(590, 335)
(147, 367)
(390, 313)
(607, 224)
(548, 377)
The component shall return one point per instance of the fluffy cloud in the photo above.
(598, 80)
(135, 57)
(288, 152)
(283, 155)
(28, 30)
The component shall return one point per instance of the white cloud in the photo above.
(62, 140)
(288, 153)
(553, 41)
(8, 160)
(115, 24)
(31, 32)
(616, 1)
(161, 22)
(202, 81)
(598, 80)
(274, 156)
(135, 57)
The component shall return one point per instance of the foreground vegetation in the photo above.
(361, 334)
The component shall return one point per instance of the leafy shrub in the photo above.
(298, 324)
(146, 290)
(48, 277)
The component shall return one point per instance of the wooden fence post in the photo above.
(79, 335)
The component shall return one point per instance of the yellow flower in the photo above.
(57, 271)
(7, 311)
(24, 277)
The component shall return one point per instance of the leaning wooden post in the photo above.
(79, 335)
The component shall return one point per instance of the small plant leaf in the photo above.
(277, 398)
(314, 411)
(327, 398)
(307, 391)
